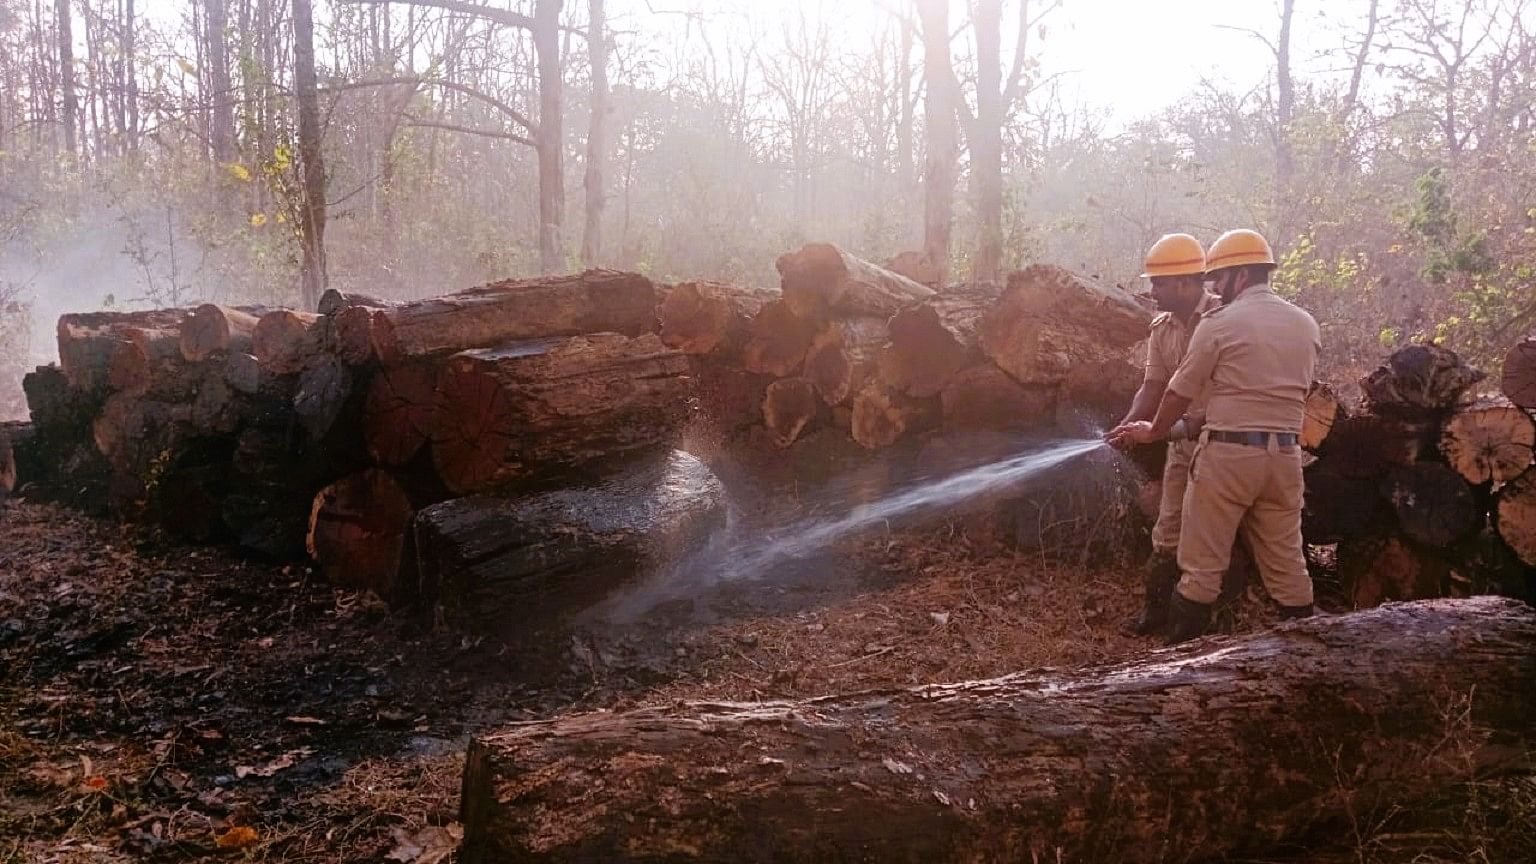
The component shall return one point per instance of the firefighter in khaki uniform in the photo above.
(1253, 359)
(1176, 266)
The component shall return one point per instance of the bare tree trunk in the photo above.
(597, 134)
(942, 140)
(546, 41)
(222, 122)
(130, 76)
(67, 71)
(905, 180)
(1285, 102)
(987, 141)
(312, 212)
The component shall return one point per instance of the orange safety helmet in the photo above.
(1237, 248)
(1175, 255)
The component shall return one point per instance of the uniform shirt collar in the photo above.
(1254, 290)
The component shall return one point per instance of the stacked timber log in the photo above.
(288, 432)
(1427, 488)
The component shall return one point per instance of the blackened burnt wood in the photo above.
(543, 408)
(1434, 505)
(54, 403)
(1099, 764)
(1417, 379)
(590, 302)
(505, 562)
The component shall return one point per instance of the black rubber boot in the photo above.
(1159, 576)
(1187, 619)
(1293, 613)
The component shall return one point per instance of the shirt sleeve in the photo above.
(1194, 373)
(1156, 365)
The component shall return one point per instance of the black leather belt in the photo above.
(1254, 439)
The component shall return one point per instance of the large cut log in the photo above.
(1370, 445)
(789, 406)
(1489, 441)
(984, 398)
(1434, 505)
(1517, 515)
(553, 406)
(1095, 393)
(1519, 379)
(141, 354)
(915, 266)
(359, 533)
(352, 335)
(821, 281)
(88, 339)
(841, 359)
(1337, 506)
(133, 432)
(1418, 378)
(212, 329)
(285, 340)
(1322, 410)
(778, 341)
(711, 317)
(730, 399)
(881, 416)
(1378, 568)
(933, 340)
(590, 302)
(519, 563)
(54, 403)
(1169, 757)
(1051, 321)
(398, 412)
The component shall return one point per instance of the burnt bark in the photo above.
(1172, 756)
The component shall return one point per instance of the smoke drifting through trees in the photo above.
(1389, 154)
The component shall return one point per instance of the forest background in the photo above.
(159, 152)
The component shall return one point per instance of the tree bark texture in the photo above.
(941, 137)
(1322, 411)
(592, 302)
(1050, 322)
(550, 136)
(311, 162)
(505, 562)
(1519, 379)
(597, 134)
(1169, 757)
(553, 406)
(842, 357)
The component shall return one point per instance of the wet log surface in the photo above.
(711, 317)
(821, 281)
(515, 563)
(1190, 753)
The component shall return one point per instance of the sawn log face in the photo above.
(1186, 754)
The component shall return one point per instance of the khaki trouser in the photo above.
(1165, 534)
(1257, 490)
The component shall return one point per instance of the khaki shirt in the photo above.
(1169, 342)
(1253, 361)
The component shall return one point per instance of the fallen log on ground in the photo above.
(1516, 515)
(54, 403)
(359, 533)
(1190, 753)
(212, 329)
(500, 562)
(789, 406)
(141, 354)
(333, 301)
(1050, 321)
(821, 281)
(882, 416)
(1434, 505)
(711, 317)
(398, 411)
(550, 406)
(87, 340)
(596, 301)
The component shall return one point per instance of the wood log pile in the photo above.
(1427, 488)
(335, 434)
